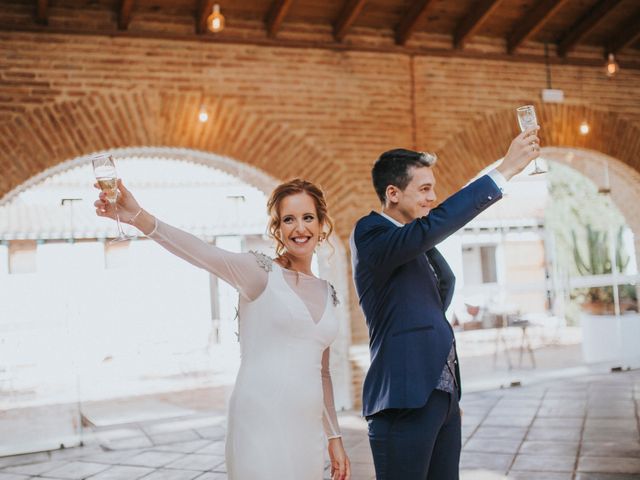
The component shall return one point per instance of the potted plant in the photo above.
(604, 334)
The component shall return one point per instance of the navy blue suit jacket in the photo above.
(403, 301)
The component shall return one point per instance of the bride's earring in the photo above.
(321, 238)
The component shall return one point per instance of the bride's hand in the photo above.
(127, 204)
(340, 465)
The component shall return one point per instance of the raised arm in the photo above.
(386, 245)
(240, 270)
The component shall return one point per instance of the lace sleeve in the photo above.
(240, 270)
(329, 417)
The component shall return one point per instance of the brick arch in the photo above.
(248, 174)
(485, 138)
(49, 135)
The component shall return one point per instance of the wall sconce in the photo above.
(215, 21)
(584, 128)
(611, 66)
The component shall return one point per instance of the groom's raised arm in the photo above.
(385, 245)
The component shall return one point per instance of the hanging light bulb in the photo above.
(584, 128)
(611, 66)
(203, 116)
(215, 21)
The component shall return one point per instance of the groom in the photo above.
(404, 285)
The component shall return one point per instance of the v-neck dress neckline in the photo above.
(283, 272)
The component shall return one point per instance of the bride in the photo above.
(282, 407)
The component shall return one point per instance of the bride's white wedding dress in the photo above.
(282, 404)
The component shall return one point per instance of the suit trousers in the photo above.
(418, 443)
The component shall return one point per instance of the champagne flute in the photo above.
(527, 119)
(104, 169)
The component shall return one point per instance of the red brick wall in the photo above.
(321, 114)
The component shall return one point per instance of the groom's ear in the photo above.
(391, 194)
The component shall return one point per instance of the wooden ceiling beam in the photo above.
(470, 24)
(628, 34)
(413, 15)
(347, 17)
(586, 24)
(276, 15)
(41, 11)
(205, 9)
(532, 22)
(124, 14)
(232, 39)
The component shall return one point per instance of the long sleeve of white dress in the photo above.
(329, 417)
(240, 270)
(244, 272)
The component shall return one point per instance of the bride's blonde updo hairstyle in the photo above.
(293, 187)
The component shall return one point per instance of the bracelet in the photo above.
(133, 219)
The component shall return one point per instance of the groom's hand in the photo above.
(523, 149)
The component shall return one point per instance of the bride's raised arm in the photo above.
(240, 270)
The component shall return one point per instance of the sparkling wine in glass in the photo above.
(104, 169)
(527, 119)
(110, 187)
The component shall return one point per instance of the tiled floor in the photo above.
(585, 428)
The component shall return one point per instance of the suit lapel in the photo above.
(440, 273)
(446, 278)
(434, 275)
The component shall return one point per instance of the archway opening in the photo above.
(106, 334)
(517, 304)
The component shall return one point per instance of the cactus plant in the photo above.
(622, 259)
(598, 262)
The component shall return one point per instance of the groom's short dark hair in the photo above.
(392, 168)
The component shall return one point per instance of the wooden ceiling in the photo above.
(574, 29)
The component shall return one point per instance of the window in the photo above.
(488, 259)
(479, 264)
